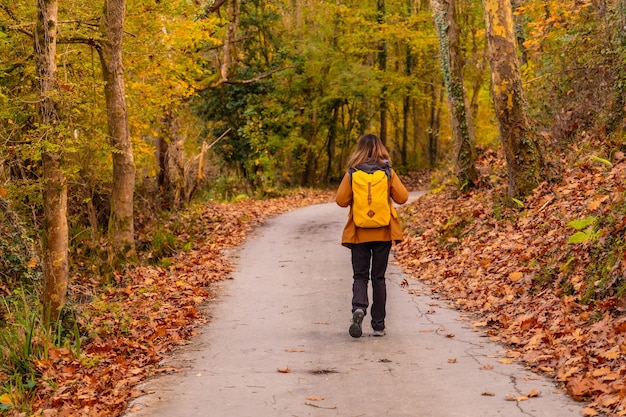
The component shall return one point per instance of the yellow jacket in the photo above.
(352, 233)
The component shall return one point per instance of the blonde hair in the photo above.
(369, 148)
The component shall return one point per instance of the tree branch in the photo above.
(255, 79)
(9, 12)
(211, 8)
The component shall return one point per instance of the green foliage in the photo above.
(18, 261)
(24, 340)
(163, 244)
(585, 230)
(602, 161)
(605, 274)
(575, 66)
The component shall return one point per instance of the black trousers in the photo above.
(369, 261)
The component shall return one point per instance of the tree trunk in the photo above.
(232, 11)
(406, 107)
(620, 7)
(452, 66)
(382, 66)
(332, 138)
(55, 242)
(523, 157)
(435, 122)
(121, 223)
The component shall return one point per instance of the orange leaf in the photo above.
(313, 398)
(284, 371)
(32, 263)
(534, 393)
(3, 192)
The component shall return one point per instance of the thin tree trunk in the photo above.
(332, 138)
(452, 66)
(121, 223)
(435, 122)
(55, 242)
(382, 66)
(406, 107)
(523, 157)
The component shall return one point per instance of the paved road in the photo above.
(288, 309)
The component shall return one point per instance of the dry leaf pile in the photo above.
(558, 306)
(132, 326)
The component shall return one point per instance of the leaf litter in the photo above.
(150, 311)
(499, 263)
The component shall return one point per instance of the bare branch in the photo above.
(211, 8)
(218, 139)
(9, 12)
(255, 79)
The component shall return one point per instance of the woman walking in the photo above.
(370, 244)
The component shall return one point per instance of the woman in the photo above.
(370, 246)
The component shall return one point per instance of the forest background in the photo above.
(126, 126)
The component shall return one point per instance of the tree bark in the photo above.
(452, 67)
(55, 242)
(523, 157)
(121, 222)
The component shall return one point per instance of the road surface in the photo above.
(277, 344)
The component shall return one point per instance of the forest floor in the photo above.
(557, 306)
(546, 276)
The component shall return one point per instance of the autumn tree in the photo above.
(121, 224)
(523, 156)
(55, 252)
(444, 12)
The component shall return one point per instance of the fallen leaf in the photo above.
(601, 371)
(590, 412)
(312, 398)
(284, 371)
(452, 360)
(506, 361)
(486, 367)
(593, 205)
(32, 263)
(294, 350)
(488, 394)
(511, 397)
(533, 394)
(515, 276)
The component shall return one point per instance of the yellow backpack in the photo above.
(371, 205)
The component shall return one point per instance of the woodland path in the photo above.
(288, 309)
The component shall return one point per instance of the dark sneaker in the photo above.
(355, 327)
(379, 333)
